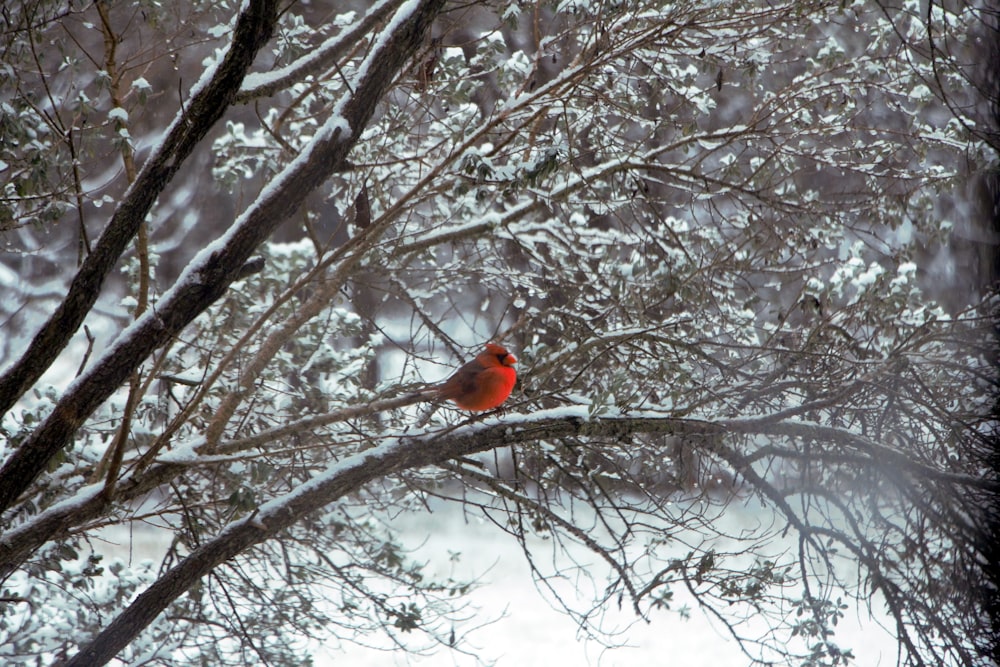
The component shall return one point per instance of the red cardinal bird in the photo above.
(483, 383)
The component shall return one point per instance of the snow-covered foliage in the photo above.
(717, 214)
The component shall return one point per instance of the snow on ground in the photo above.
(528, 632)
(516, 627)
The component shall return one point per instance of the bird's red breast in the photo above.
(483, 383)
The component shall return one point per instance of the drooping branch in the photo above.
(889, 457)
(211, 272)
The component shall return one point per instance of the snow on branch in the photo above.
(263, 84)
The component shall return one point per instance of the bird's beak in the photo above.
(509, 360)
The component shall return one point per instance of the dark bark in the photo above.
(209, 276)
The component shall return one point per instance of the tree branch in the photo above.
(345, 477)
